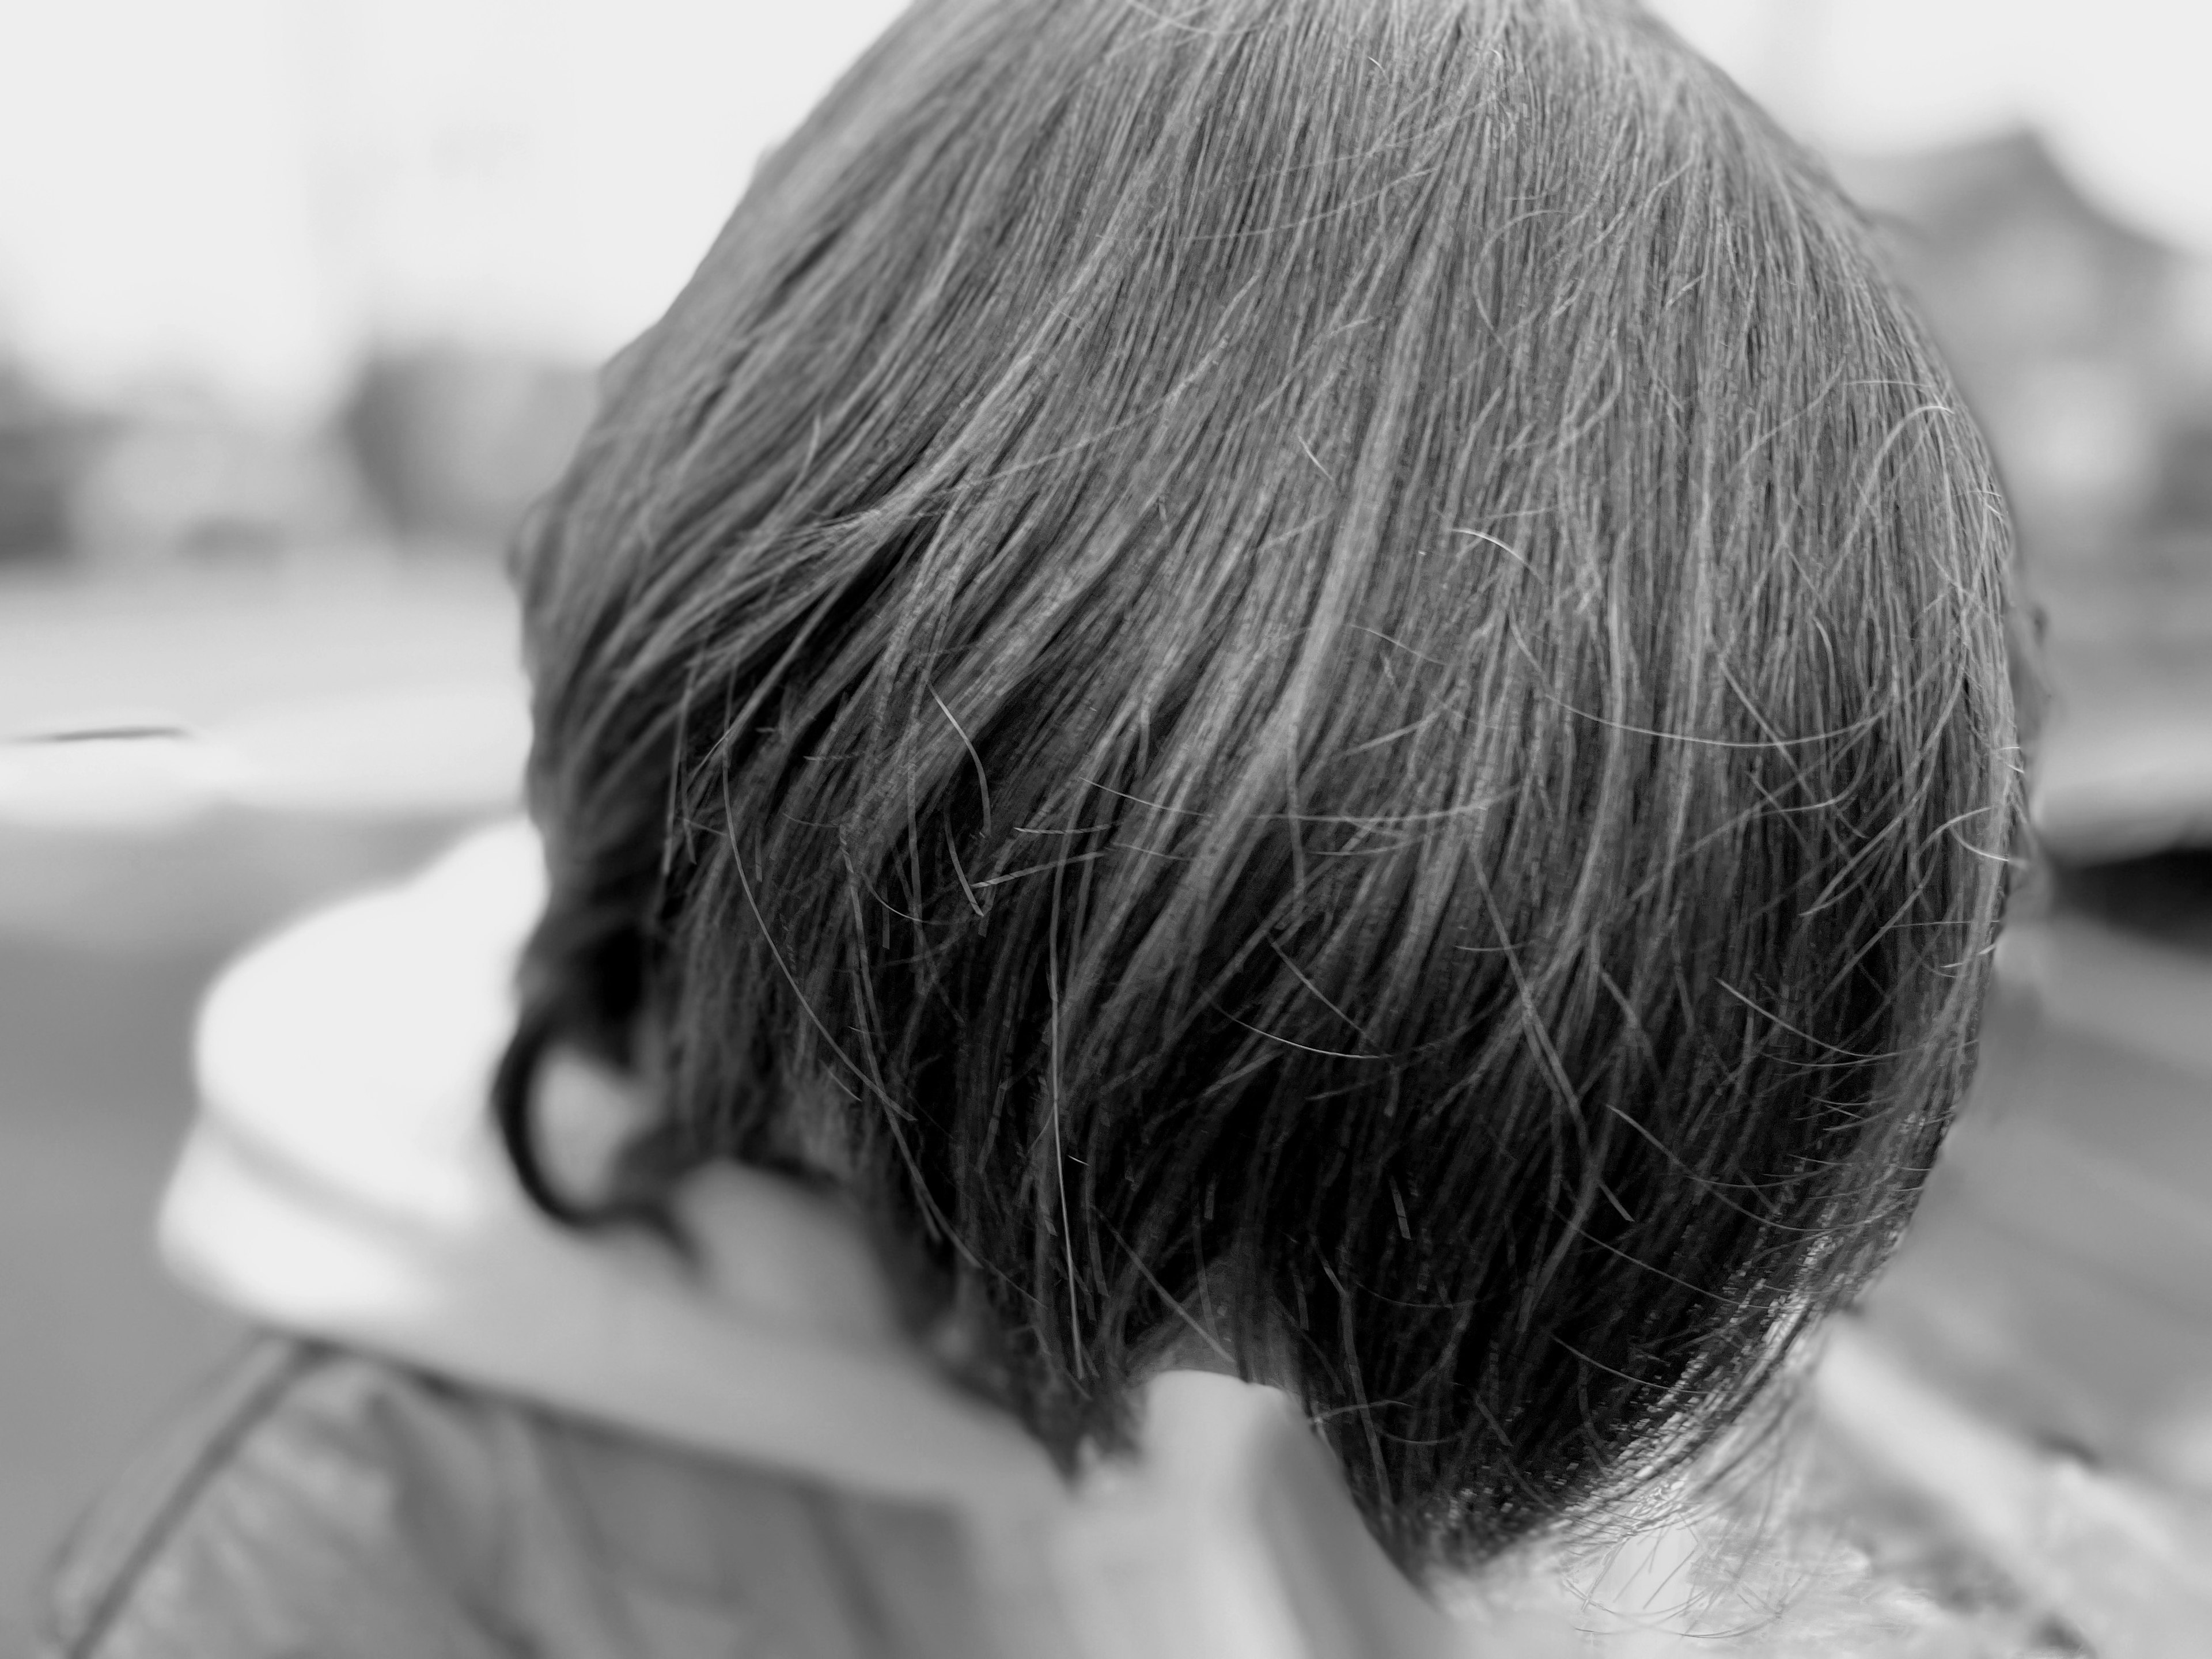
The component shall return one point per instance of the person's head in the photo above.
(1329, 671)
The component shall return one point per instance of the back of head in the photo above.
(1324, 676)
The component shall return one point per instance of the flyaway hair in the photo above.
(1326, 676)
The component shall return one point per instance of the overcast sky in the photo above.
(241, 191)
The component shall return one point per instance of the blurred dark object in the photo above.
(2165, 896)
(2184, 485)
(454, 443)
(42, 449)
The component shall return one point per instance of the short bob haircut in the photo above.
(1325, 677)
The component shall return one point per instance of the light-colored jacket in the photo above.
(467, 1431)
(472, 1431)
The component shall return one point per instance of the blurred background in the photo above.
(300, 303)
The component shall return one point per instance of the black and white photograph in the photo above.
(1105, 829)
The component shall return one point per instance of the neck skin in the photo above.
(770, 1241)
(799, 1257)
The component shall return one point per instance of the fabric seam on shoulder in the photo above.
(273, 1371)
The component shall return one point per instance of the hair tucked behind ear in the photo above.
(1335, 669)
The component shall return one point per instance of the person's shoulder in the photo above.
(313, 1499)
(280, 1513)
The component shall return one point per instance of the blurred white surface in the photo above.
(367, 694)
(241, 193)
(147, 782)
(406, 751)
(410, 751)
(2118, 789)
